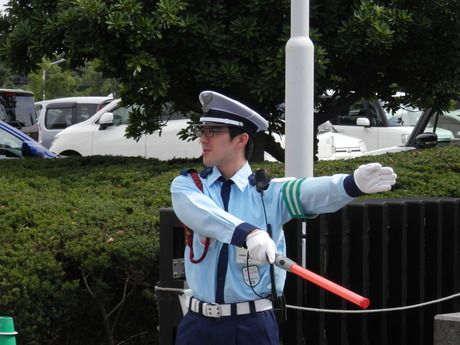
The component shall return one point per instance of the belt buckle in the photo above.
(212, 310)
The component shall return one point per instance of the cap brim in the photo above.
(212, 124)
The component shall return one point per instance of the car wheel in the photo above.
(70, 154)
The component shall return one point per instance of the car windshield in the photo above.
(446, 125)
(455, 112)
(404, 116)
(17, 109)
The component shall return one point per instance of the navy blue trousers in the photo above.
(257, 328)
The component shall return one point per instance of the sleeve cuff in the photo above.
(240, 234)
(351, 187)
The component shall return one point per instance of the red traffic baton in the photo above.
(290, 266)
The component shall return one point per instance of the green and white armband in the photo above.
(291, 196)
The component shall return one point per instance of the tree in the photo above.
(10, 80)
(92, 82)
(3, 75)
(62, 82)
(58, 83)
(168, 51)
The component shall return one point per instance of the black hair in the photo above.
(234, 131)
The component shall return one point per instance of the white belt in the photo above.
(219, 310)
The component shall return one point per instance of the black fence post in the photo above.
(172, 275)
(291, 331)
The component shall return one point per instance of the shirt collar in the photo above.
(240, 178)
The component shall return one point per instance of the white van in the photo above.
(104, 134)
(378, 128)
(57, 114)
(433, 128)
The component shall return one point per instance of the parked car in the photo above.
(378, 128)
(104, 134)
(331, 145)
(15, 144)
(17, 109)
(433, 128)
(57, 114)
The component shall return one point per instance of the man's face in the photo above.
(218, 148)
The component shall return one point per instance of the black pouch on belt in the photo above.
(279, 308)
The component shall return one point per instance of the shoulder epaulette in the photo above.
(187, 171)
(204, 173)
(251, 179)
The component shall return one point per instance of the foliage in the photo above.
(10, 80)
(79, 249)
(168, 51)
(78, 234)
(58, 83)
(61, 82)
(3, 75)
(92, 82)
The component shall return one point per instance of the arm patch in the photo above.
(291, 196)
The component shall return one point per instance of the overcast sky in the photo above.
(2, 2)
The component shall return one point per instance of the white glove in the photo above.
(373, 178)
(261, 247)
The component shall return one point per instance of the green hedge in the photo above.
(79, 238)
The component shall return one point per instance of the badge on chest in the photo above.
(250, 270)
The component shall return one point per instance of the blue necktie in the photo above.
(223, 255)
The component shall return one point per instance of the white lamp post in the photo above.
(44, 75)
(299, 94)
(299, 100)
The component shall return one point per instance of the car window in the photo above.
(121, 115)
(349, 117)
(17, 108)
(85, 111)
(447, 128)
(357, 110)
(373, 116)
(444, 135)
(404, 116)
(10, 146)
(455, 113)
(58, 118)
(450, 123)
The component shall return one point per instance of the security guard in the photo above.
(238, 226)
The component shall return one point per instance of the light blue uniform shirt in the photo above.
(204, 213)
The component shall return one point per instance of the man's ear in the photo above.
(243, 138)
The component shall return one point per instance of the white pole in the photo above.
(299, 94)
(44, 76)
(43, 83)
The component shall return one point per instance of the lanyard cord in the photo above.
(272, 266)
(249, 277)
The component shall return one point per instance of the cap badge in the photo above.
(206, 100)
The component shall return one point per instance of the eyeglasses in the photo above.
(209, 132)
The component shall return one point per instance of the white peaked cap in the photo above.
(222, 110)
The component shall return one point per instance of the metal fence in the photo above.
(397, 252)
